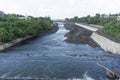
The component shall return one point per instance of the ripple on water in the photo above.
(50, 57)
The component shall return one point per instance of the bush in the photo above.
(11, 27)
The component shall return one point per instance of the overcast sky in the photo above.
(59, 9)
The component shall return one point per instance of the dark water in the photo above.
(50, 57)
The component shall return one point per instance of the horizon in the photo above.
(60, 9)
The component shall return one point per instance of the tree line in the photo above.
(13, 27)
(110, 23)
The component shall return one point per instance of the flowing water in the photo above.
(51, 58)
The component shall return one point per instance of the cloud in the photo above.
(45, 10)
(72, 2)
(60, 8)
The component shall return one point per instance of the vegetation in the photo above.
(110, 22)
(14, 26)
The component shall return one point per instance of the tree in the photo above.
(11, 27)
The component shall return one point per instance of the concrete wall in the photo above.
(87, 27)
(7, 45)
(106, 43)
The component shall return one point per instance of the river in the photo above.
(51, 58)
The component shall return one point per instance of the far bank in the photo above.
(94, 38)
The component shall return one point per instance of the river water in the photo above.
(51, 58)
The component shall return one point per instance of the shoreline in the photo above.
(93, 38)
(7, 45)
(79, 35)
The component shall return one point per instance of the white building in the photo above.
(24, 17)
(118, 17)
(1, 13)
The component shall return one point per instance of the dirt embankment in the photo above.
(47, 32)
(79, 35)
(110, 37)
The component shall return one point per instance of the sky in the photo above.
(60, 9)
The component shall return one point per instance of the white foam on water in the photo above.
(85, 77)
(21, 78)
(17, 77)
(5, 75)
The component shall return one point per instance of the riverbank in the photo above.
(79, 35)
(4, 46)
(106, 43)
(92, 37)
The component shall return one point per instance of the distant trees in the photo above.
(110, 22)
(11, 27)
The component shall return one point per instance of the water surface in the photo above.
(50, 57)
